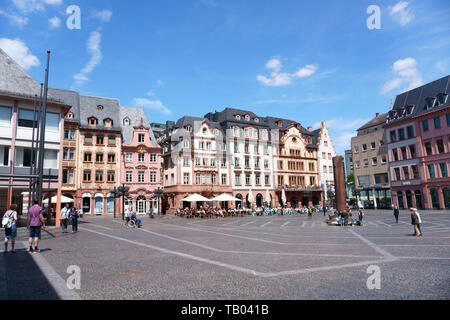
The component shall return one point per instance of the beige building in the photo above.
(371, 166)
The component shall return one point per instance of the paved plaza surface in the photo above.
(291, 257)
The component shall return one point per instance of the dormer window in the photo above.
(108, 123)
(216, 132)
(409, 109)
(441, 99)
(126, 122)
(70, 115)
(238, 117)
(280, 123)
(100, 107)
(188, 128)
(429, 102)
(247, 117)
(256, 120)
(93, 122)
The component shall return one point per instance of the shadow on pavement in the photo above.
(25, 280)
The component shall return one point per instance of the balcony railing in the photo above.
(299, 188)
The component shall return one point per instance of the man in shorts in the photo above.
(36, 221)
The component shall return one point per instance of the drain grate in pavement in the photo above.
(134, 273)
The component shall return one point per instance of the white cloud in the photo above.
(401, 13)
(54, 23)
(278, 79)
(406, 73)
(35, 5)
(392, 84)
(104, 15)
(94, 50)
(154, 105)
(159, 83)
(151, 94)
(20, 21)
(274, 64)
(18, 50)
(307, 71)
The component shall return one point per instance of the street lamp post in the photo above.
(159, 193)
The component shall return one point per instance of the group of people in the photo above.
(67, 214)
(258, 211)
(346, 218)
(36, 222)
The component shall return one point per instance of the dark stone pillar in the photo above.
(339, 180)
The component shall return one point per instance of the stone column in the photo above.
(339, 178)
(441, 198)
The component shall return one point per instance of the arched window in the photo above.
(247, 117)
(141, 205)
(238, 117)
(239, 203)
(98, 204)
(126, 122)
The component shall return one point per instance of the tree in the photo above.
(351, 181)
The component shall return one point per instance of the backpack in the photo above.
(8, 220)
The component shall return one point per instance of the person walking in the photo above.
(360, 217)
(396, 213)
(324, 210)
(74, 216)
(10, 224)
(35, 223)
(420, 221)
(415, 222)
(65, 212)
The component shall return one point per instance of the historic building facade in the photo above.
(99, 153)
(296, 163)
(140, 160)
(195, 160)
(371, 166)
(325, 153)
(250, 149)
(70, 156)
(419, 147)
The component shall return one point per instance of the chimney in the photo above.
(310, 129)
(377, 114)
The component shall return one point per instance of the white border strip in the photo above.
(57, 282)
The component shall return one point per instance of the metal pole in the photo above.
(115, 197)
(42, 140)
(123, 201)
(32, 152)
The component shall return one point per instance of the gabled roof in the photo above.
(381, 119)
(413, 103)
(111, 110)
(71, 98)
(15, 81)
(135, 115)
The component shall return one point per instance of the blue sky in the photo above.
(301, 60)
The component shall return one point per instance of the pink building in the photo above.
(418, 136)
(433, 143)
(140, 161)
